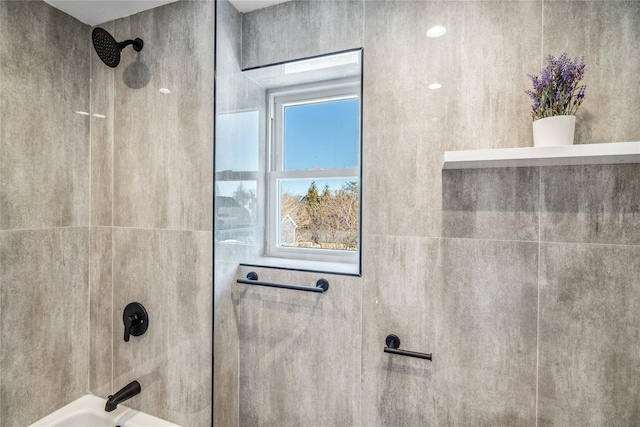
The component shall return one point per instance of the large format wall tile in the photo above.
(44, 329)
(101, 308)
(408, 126)
(102, 131)
(226, 343)
(402, 276)
(591, 204)
(169, 272)
(163, 143)
(483, 73)
(485, 364)
(401, 181)
(491, 203)
(589, 335)
(401, 153)
(44, 144)
(607, 34)
(300, 351)
(300, 29)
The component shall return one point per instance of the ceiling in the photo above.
(244, 6)
(94, 12)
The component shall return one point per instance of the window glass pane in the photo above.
(237, 141)
(235, 211)
(320, 213)
(322, 135)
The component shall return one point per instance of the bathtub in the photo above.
(89, 411)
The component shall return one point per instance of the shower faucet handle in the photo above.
(136, 320)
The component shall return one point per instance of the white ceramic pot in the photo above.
(556, 130)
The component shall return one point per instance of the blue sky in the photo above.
(322, 135)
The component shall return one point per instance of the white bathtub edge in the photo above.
(90, 403)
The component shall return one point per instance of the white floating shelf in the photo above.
(581, 154)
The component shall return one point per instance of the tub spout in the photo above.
(127, 392)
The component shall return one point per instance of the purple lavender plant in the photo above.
(556, 91)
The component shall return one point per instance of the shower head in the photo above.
(108, 49)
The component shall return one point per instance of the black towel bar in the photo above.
(393, 342)
(322, 285)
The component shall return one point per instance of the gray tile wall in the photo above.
(163, 153)
(102, 132)
(609, 42)
(590, 359)
(300, 29)
(169, 272)
(153, 212)
(44, 155)
(398, 286)
(485, 355)
(522, 282)
(90, 224)
(299, 354)
(44, 211)
(44, 350)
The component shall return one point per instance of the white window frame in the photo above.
(278, 100)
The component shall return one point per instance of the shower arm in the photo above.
(137, 44)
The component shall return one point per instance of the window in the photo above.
(305, 191)
(314, 172)
(236, 186)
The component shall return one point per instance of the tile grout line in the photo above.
(538, 286)
(112, 137)
(537, 241)
(113, 249)
(539, 235)
(364, 28)
(542, 34)
(104, 226)
(90, 222)
(238, 348)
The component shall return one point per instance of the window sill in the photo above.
(339, 268)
